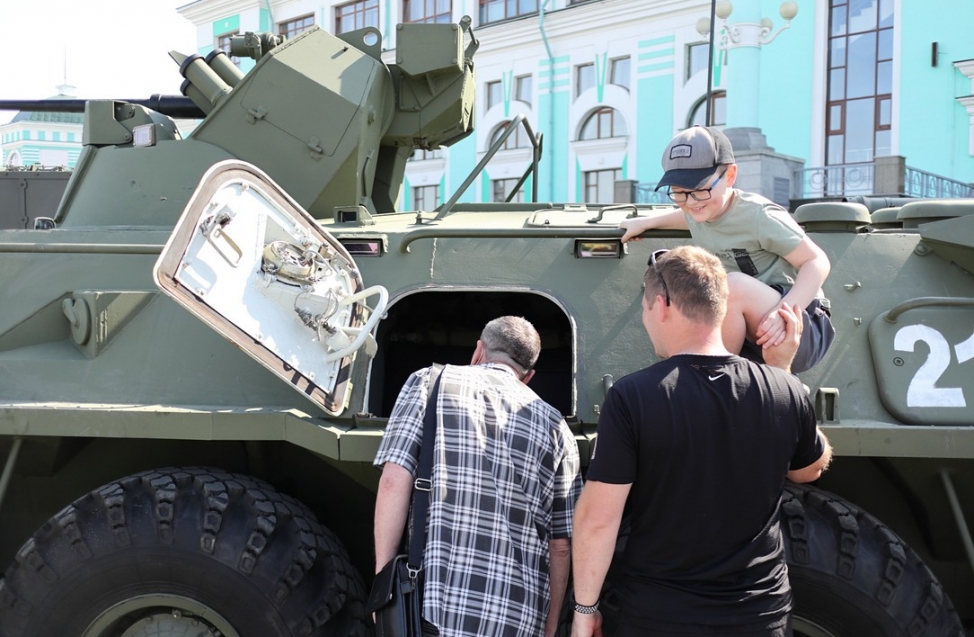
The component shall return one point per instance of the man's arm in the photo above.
(597, 519)
(635, 226)
(391, 508)
(815, 470)
(560, 562)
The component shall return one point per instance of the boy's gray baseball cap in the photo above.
(693, 156)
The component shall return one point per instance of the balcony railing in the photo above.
(836, 181)
(885, 176)
(646, 193)
(923, 184)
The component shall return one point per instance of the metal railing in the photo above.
(919, 183)
(646, 193)
(860, 179)
(837, 180)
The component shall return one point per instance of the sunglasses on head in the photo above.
(652, 261)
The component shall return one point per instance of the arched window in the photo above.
(518, 139)
(603, 123)
(718, 107)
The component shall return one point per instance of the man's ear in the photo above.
(528, 376)
(478, 354)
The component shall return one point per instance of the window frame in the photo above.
(700, 107)
(579, 69)
(688, 71)
(612, 71)
(837, 97)
(419, 194)
(587, 186)
(295, 26)
(368, 7)
(520, 81)
(223, 44)
(517, 139)
(427, 18)
(488, 93)
(484, 8)
(500, 188)
(599, 115)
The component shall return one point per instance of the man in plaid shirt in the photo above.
(505, 480)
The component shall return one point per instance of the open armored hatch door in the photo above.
(248, 261)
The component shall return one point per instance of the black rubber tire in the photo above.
(229, 543)
(852, 576)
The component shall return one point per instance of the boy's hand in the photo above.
(635, 227)
(772, 330)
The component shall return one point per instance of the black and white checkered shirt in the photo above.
(505, 480)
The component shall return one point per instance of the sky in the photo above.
(110, 48)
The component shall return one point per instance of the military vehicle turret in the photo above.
(200, 347)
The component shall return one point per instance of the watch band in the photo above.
(586, 610)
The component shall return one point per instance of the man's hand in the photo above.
(771, 331)
(782, 354)
(587, 625)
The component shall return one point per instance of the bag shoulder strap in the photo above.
(423, 485)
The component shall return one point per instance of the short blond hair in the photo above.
(695, 281)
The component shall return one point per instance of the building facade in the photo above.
(821, 97)
(42, 139)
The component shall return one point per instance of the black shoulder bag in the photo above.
(397, 591)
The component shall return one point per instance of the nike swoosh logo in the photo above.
(715, 377)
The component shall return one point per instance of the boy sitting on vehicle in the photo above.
(768, 257)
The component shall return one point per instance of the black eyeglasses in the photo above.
(652, 261)
(697, 195)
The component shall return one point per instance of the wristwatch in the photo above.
(586, 610)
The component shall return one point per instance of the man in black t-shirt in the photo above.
(695, 450)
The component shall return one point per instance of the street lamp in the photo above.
(740, 34)
(755, 34)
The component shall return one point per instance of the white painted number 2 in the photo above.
(923, 391)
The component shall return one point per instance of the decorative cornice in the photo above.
(205, 11)
(581, 19)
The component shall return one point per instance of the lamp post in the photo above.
(748, 36)
(703, 28)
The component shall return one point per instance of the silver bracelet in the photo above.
(586, 610)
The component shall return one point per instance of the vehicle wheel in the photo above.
(853, 576)
(183, 552)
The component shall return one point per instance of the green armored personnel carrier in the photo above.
(200, 346)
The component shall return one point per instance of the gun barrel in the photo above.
(171, 105)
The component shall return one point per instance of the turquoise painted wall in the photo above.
(553, 104)
(785, 94)
(463, 158)
(934, 126)
(230, 24)
(654, 95)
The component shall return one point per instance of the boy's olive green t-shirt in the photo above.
(753, 237)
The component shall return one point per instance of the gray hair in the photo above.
(512, 340)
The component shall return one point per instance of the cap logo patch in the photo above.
(681, 150)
